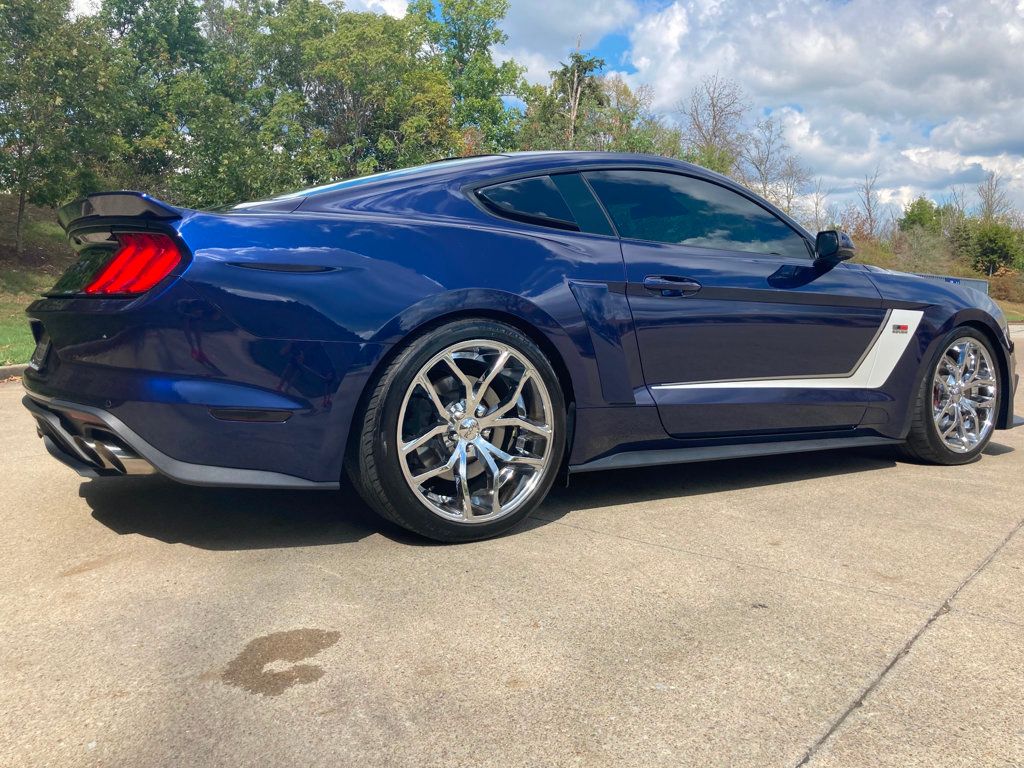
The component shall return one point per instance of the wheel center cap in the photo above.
(468, 429)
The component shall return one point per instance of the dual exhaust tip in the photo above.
(91, 452)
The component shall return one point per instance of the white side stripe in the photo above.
(873, 371)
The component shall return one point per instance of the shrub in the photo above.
(1007, 285)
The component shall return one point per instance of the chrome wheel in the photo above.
(475, 432)
(964, 395)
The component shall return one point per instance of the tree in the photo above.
(995, 244)
(623, 122)
(558, 114)
(155, 43)
(922, 213)
(50, 126)
(577, 87)
(763, 154)
(462, 34)
(712, 117)
(793, 180)
(820, 217)
(993, 202)
(867, 193)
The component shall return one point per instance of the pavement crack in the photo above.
(942, 610)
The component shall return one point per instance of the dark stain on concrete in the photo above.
(88, 565)
(249, 670)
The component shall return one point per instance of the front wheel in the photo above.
(463, 434)
(958, 402)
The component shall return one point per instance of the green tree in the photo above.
(560, 116)
(995, 244)
(462, 34)
(624, 122)
(156, 42)
(50, 125)
(922, 213)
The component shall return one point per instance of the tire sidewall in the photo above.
(934, 439)
(386, 454)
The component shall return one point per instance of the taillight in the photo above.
(142, 260)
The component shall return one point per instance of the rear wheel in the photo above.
(463, 433)
(958, 401)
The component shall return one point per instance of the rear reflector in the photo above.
(142, 260)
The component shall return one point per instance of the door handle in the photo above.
(666, 285)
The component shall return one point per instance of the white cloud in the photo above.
(929, 93)
(396, 8)
(542, 32)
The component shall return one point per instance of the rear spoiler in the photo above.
(116, 205)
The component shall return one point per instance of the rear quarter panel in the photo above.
(374, 280)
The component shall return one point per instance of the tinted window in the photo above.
(536, 200)
(584, 207)
(669, 208)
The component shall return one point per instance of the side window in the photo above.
(671, 208)
(535, 200)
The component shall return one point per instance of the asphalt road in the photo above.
(840, 609)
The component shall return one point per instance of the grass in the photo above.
(17, 290)
(46, 255)
(1014, 311)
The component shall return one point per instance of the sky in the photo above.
(929, 93)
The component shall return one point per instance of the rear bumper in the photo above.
(96, 443)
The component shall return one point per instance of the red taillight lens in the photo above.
(142, 260)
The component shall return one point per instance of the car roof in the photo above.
(465, 170)
(403, 190)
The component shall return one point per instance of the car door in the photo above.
(738, 328)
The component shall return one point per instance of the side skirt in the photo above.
(656, 458)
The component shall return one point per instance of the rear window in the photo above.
(535, 200)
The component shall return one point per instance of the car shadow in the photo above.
(234, 518)
(240, 519)
(603, 489)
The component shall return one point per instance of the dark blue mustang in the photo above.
(454, 336)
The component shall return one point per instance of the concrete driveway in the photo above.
(839, 609)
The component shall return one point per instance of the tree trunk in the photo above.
(19, 244)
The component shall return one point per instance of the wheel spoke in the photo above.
(426, 437)
(530, 461)
(498, 367)
(960, 427)
(460, 375)
(987, 402)
(961, 356)
(435, 398)
(418, 480)
(538, 429)
(484, 453)
(463, 473)
(509, 404)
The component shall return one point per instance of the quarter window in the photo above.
(535, 200)
(671, 208)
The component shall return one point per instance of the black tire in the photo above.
(372, 463)
(924, 444)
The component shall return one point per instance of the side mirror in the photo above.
(833, 246)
